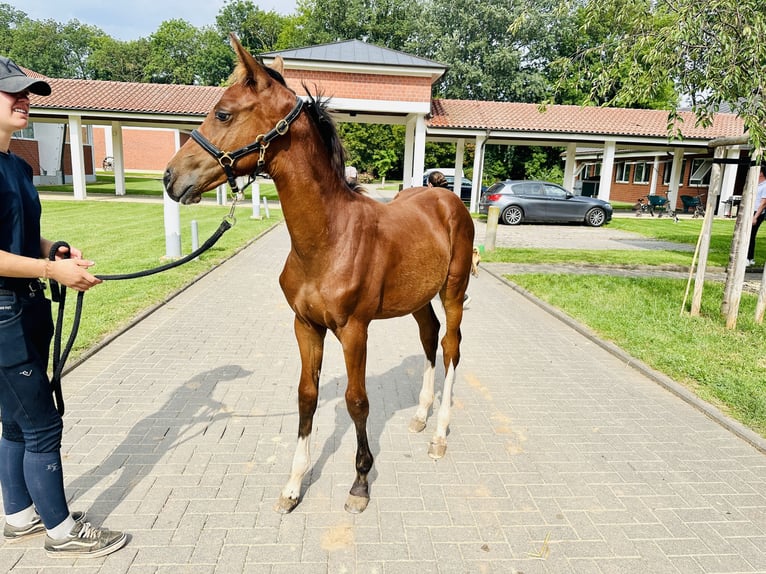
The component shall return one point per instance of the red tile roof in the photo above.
(517, 117)
(128, 97)
(170, 99)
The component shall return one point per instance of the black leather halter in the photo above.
(227, 159)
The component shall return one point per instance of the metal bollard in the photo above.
(256, 191)
(493, 216)
(194, 236)
(266, 207)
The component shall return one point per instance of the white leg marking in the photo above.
(301, 463)
(442, 420)
(426, 397)
(425, 400)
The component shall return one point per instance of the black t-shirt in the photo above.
(20, 208)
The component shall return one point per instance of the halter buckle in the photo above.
(225, 160)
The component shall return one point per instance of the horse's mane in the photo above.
(316, 107)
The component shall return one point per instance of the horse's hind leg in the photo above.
(429, 338)
(452, 299)
(311, 345)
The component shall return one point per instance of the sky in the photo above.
(133, 19)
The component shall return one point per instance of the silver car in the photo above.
(542, 201)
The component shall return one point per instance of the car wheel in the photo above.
(512, 215)
(595, 217)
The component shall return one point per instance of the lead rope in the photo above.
(58, 294)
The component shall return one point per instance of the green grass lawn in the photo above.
(643, 316)
(123, 237)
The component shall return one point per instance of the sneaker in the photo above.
(35, 528)
(466, 299)
(86, 541)
(750, 262)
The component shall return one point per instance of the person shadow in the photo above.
(188, 414)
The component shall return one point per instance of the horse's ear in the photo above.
(279, 65)
(255, 70)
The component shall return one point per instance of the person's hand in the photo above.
(73, 252)
(73, 272)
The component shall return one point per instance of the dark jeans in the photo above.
(753, 233)
(30, 448)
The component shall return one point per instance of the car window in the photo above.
(499, 188)
(555, 191)
(528, 188)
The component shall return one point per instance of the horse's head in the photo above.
(249, 117)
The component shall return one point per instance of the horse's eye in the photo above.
(222, 116)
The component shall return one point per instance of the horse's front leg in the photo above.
(311, 346)
(353, 338)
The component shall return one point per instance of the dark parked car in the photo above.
(465, 187)
(523, 200)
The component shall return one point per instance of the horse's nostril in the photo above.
(167, 178)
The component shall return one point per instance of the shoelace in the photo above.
(88, 531)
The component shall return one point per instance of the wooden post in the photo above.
(735, 274)
(716, 179)
(493, 216)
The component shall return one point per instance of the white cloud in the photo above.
(137, 18)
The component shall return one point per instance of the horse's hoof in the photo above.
(356, 504)
(285, 505)
(416, 425)
(437, 448)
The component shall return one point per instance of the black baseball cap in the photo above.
(13, 80)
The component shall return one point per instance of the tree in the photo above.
(119, 61)
(257, 30)
(473, 39)
(389, 23)
(173, 50)
(10, 18)
(713, 52)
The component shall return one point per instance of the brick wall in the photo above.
(144, 150)
(361, 86)
(27, 149)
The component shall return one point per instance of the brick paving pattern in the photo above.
(561, 457)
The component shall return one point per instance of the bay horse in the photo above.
(352, 258)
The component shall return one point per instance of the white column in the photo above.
(570, 164)
(478, 165)
(655, 174)
(118, 158)
(172, 211)
(78, 161)
(607, 170)
(675, 177)
(419, 152)
(459, 155)
(409, 147)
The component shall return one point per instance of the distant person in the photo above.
(759, 214)
(352, 176)
(31, 473)
(437, 179)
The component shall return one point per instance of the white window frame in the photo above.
(700, 172)
(622, 172)
(644, 169)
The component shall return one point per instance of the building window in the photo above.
(622, 172)
(700, 174)
(28, 133)
(641, 172)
